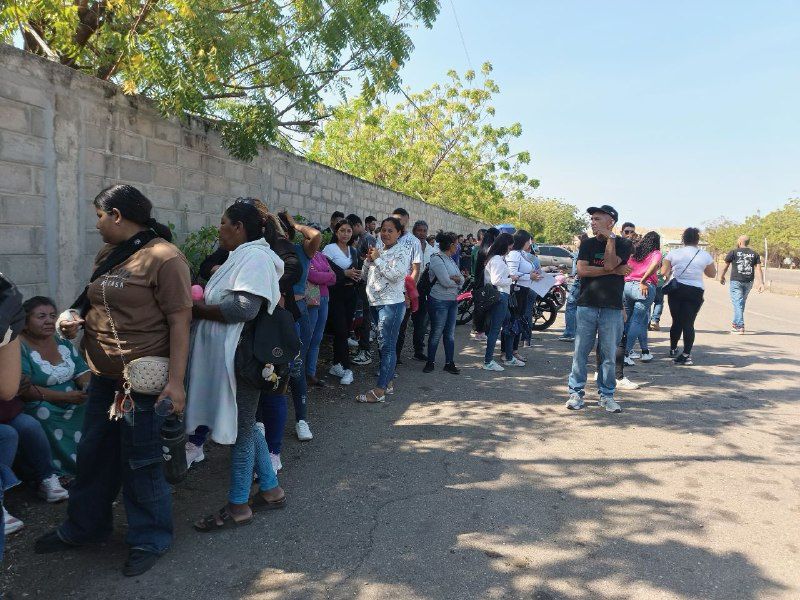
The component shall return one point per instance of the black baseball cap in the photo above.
(609, 210)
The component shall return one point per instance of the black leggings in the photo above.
(341, 308)
(684, 304)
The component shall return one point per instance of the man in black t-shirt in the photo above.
(744, 263)
(602, 266)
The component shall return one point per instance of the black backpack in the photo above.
(269, 339)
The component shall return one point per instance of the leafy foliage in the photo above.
(781, 229)
(198, 245)
(439, 145)
(548, 219)
(261, 67)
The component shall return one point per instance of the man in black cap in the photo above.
(602, 268)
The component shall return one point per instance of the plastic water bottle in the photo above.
(173, 446)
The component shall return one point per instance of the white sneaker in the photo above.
(646, 356)
(629, 361)
(575, 402)
(479, 337)
(352, 343)
(12, 524)
(50, 489)
(634, 355)
(610, 404)
(492, 366)
(363, 357)
(277, 465)
(260, 426)
(514, 362)
(627, 384)
(337, 370)
(303, 431)
(595, 375)
(194, 454)
(347, 377)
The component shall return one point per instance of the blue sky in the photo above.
(674, 112)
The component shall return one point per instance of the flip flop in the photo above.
(209, 523)
(365, 399)
(258, 503)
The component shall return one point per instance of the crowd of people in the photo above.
(228, 345)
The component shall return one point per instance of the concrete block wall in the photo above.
(64, 136)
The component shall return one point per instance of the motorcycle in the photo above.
(466, 307)
(545, 311)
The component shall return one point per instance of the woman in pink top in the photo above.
(640, 291)
(320, 276)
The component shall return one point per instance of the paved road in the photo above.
(483, 486)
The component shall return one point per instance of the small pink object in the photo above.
(197, 292)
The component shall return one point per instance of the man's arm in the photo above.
(760, 275)
(610, 259)
(586, 270)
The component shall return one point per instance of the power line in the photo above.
(461, 34)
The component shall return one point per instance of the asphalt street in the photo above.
(484, 486)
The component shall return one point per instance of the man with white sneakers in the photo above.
(602, 269)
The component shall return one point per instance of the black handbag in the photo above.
(673, 284)
(486, 297)
(270, 343)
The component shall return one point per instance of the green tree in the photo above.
(439, 145)
(548, 219)
(721, 234)
(261, 67)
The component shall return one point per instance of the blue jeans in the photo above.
(658, 305)
(34, 448)
(273, 411)
(250, 450)
(317, 317)
(529, 306)
(571, 308)
(638, 310)
(126, 453)
(494, 321)
(388, 318)
(605, 325)
(442, 314)
(297, 379)
(739, 292)
(8, 450)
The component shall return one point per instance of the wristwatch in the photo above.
(612, 236)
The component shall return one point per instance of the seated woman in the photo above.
(58, 376)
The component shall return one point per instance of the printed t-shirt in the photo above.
(604, 291)
(141, 292)
(743, 263)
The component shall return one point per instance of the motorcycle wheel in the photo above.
(544, 313)
(466, 310)
(560, 296)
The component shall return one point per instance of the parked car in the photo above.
(555, 256)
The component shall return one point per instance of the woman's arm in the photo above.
(10, 369)
(439, 268)
(179, 322)
(710, 270)
(666, 269)
(36, 393)
(394, 268)
(648, 273)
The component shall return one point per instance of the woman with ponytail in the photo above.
(137, 304)
(218, 397)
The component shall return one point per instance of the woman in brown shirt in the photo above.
(145, 282)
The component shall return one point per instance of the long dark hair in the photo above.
(249, 216)
(521, 238)
(500, 246)
(133, 205)
(489, 237)
(650, 241)
(338, 225)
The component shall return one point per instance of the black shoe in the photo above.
(673, 352)
(139, 561)
(51, 542)
(452, 368)
(428, 368)
(684, 359)
(420, 357)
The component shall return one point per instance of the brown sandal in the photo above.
(209, 523)
(259, 503)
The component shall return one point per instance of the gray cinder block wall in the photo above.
(64, 136)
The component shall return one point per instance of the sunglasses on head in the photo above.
(250, 201)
